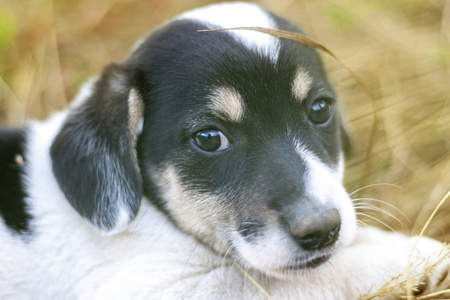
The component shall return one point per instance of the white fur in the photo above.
(240, 14)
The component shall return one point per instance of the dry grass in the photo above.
(401, 48)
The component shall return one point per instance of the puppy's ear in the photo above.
(94, 157)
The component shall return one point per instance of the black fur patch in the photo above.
(13, 208)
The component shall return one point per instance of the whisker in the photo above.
(192, 252)
(225, 255)
(136, 224)
(378, 209)
(219, 280)
(233, 265)
(246, 229)
(376, 219)
(383, 202)
(251, 223)
(372, 185)
(359, 222)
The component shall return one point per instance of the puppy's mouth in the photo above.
(306, 264)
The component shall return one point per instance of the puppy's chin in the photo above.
(303, 266)
(311, 263)
(289, 269)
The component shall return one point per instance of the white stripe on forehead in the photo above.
(238, 14)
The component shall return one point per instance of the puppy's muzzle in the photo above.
(316, 231)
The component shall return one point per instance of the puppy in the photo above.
(201, 161)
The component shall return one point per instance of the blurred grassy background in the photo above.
(401, 48)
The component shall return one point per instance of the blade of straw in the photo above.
(408, 273)
(253, 281)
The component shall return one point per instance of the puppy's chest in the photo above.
(151, 255)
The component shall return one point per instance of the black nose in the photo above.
(316, 231)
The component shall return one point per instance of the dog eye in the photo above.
(211, 140)
(320, 112)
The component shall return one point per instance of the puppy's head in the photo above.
(241, 143)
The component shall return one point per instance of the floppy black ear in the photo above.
(93, 155)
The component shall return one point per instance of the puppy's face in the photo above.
(241, 142)
(243, 149)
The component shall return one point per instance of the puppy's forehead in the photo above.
(232, 15)
(235, 74)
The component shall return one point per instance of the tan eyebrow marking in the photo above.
(226, 102)
(301, 85)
